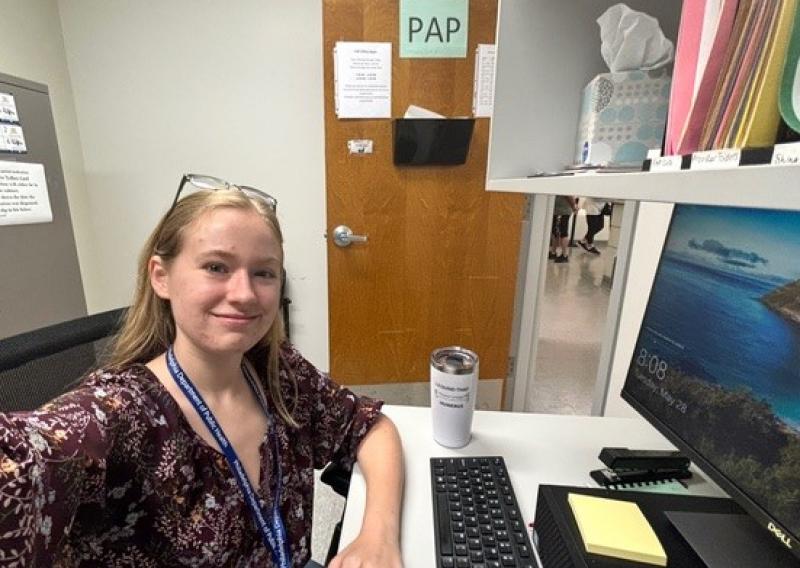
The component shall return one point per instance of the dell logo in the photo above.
(780, 534)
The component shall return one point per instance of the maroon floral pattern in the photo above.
(111, 474)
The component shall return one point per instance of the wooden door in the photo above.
(440, 264)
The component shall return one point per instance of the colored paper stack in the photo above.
(729, 61)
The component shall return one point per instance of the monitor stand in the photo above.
(724, 540)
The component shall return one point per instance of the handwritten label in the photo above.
(666, 164)
(786, 154)
(716, 159)
(359, 146)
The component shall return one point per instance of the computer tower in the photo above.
(559, 543)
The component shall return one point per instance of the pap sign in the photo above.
(434, 28)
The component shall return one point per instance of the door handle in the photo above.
(343, 236)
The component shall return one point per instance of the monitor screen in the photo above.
(432, 141)
(716, 366)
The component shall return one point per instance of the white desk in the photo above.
(538, 448)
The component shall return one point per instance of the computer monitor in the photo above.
(716, 367)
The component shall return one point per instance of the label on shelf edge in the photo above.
(786, 154)
(666, 164)
(716, 159)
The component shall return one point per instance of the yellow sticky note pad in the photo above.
(616, 528)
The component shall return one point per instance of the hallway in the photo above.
(572, 320)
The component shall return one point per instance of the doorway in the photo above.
(439, 264)
(574, 307)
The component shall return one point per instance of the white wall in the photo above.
(31, 47)
(227, 89)
(648, 240)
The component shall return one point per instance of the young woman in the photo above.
(565, 205)
(594, 223)
(196, 444)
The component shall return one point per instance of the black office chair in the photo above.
(339, 480)
(39, 365)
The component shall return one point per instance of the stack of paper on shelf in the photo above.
(744, 52)
(616, 528)
(761, 114)
(683, 89)
(716, 27)
(727, 72)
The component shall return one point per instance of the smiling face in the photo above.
(224, 284)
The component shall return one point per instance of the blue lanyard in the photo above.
(273, 531)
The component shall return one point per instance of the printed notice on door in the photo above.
(23, 194)
(362, 76)
(483, 89)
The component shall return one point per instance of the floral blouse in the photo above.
(111, 474)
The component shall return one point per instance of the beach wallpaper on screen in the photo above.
(718, 355)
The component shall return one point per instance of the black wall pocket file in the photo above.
(432, 141)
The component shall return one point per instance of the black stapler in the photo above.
(632, 466)
(623, 458)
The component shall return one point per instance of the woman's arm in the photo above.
(380, 457)
(51, 461)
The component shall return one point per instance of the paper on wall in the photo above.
(23, 194)
(362, 74)
(483, 86)
(8, 108)
(12, 139)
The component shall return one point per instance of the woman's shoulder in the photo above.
(295, 363)
(132, 377)
(291, 356)
(132, 384)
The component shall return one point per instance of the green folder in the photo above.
(790, 83)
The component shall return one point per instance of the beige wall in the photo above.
(232, 90)
(31, 47)
(145, 91)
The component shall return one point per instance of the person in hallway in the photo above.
(564, 207)
(196, 443)
(594, 221)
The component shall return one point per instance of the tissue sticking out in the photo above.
(632, 40)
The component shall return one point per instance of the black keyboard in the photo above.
(475, 515)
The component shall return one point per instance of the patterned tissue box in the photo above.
(622, 116)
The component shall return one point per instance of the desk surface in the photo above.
(538, 448)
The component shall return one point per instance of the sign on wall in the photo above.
(434, 28)
(362, 79)
(23, 194)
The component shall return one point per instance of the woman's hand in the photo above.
(369, 551)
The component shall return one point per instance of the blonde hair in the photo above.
(148, 328)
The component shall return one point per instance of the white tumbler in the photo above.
(454, 387)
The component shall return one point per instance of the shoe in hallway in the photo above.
(585, 246)
(593, 250)
(561, 259)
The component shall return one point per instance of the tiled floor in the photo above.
(571, 326)
(574, 310)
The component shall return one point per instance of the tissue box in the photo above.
(622, 116)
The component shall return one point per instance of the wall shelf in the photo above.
(769, 187)
(547, 51)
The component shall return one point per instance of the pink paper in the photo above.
(689, 139)
(683, 76)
